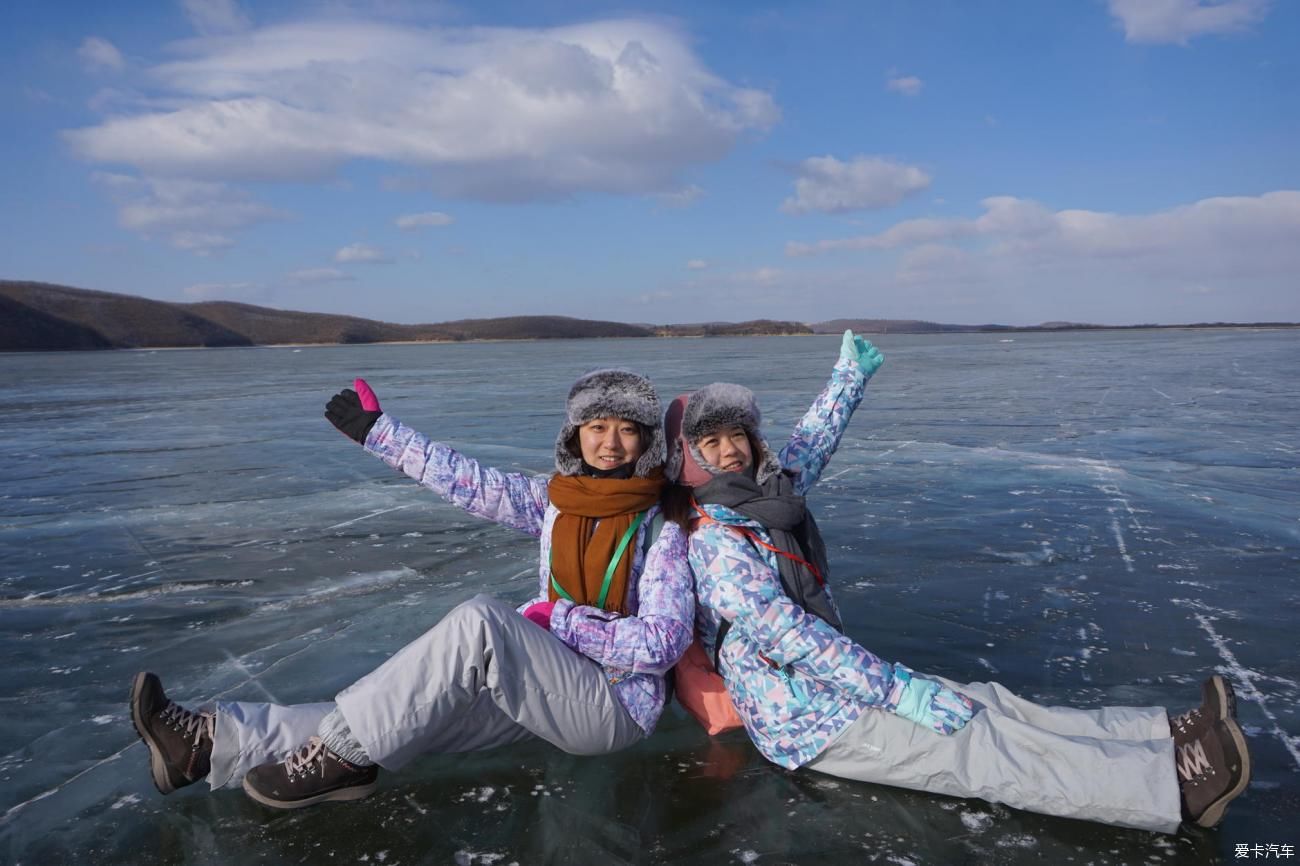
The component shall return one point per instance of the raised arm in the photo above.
(512, 499)
(657, 637)
(818, 433)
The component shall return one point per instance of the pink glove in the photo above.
(540, 613)
(354, 412)
(369, 401)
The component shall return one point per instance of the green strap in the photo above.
(559, 590)
(618, 555)
(609, 571)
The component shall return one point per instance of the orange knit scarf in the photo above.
(580, 555)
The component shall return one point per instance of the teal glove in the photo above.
(861, 352)
(930, 703)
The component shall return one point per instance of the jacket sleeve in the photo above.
(510, 498)
(818, 433)
(734, 580)
(657, 637)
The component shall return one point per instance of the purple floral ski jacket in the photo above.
(635, 651)
(821, 680)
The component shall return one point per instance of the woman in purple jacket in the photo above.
(810, 696)
(615, 608)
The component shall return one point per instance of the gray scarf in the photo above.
(785, 515)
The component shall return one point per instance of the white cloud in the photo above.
(313, 276)
(828, 185)
(908, 85)
(215, 16)
(919, 262)
(412, 221)
(1178, 21)
(903, 234)
(697, 265)
(98, 53)
(201, 243)
(617, 106)
(1241, 253)
(364, 253)
(1210, 230)
(194, 215)
(764, 276)
(683, 197)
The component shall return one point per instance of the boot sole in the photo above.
(1224, 699)
(355, 792)
(1213, 814)
(157, 764)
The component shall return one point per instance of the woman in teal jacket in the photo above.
(811, 696)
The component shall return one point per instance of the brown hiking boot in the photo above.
(1212, 770)
(179, 740)
(1218, 701)
(312, 774)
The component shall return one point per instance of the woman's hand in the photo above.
(931, 704)
(539, 612)
(861, 352)
(354, 412)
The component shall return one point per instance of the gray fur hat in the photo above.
(724, 404)
(611, 393)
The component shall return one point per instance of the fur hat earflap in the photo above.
(682, 466)
(611, 393)
(724, 404)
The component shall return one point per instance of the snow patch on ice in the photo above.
(976, 822)
(1017, 840)
(128, 800)
(465, 858)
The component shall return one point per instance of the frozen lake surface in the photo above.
(1088, 518)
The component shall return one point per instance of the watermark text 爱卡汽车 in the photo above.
(1272, 849)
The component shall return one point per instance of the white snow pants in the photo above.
(1114, 765)
(482, 677)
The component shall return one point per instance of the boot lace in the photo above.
(1184, 720)
(1192, 763)
(310, 758)
(194, 725)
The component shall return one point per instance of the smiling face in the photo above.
(608, 443)
(727, 449)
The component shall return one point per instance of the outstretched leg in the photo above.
(482, 677)
(485, 664)
(1002, 757)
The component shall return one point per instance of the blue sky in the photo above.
(1114, 161)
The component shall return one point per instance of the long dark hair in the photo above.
(676, 504)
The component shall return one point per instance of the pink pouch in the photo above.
(701, 691)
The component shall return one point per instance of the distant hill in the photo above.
(915, 326)
(36, 316)
(733, 329)
(44, 316)
(898, 326)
